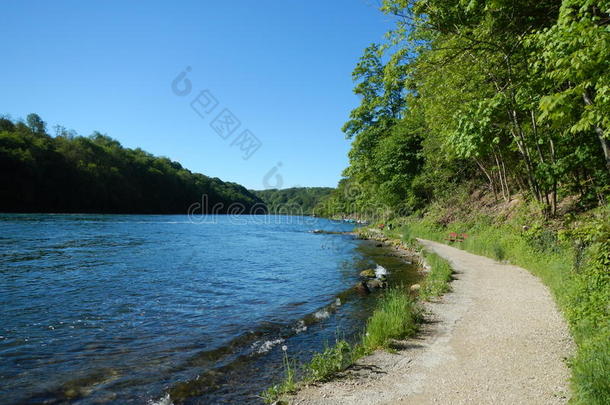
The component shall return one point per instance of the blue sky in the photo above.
(283, 68)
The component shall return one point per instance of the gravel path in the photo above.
(497, 338)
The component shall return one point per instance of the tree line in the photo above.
(70, 173)
(294, 200)
(513, 95)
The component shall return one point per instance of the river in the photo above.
(143, 309)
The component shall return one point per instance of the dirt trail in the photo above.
(497, 338)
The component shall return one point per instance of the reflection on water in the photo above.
(127, 308)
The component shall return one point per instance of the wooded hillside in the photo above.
(69, 173)
(512, 94)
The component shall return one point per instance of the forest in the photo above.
(95, 174)
(512, 96)
(294, 200)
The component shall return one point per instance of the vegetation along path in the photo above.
(497, 338)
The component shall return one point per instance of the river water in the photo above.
(144, 309)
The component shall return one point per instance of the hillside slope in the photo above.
(295, 200)
(95, 174)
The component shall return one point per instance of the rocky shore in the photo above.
(372, 279)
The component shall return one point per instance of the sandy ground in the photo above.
(497, 338)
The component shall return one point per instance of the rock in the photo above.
(415, 287)
(368, 273)
(374, 284)
(71, 393)
(362, 288)
(379, 245)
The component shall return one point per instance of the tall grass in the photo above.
(287, 385)
(437, 281)
(331, 361)
(396, 317)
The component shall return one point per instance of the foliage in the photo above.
(589, 312)
(513, 95)
(68, 173)
(294, 201)
(576, 59)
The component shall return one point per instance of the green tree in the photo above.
(575, 57)
(36, 124)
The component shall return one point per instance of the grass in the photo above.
(437, 281)
(287, 385)
(396, 316)
(574, 262)
(331, 361)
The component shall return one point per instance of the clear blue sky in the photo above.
(282, 67)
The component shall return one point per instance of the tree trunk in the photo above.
(491, 182)
(502, 181)
(599, 131)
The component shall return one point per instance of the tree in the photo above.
(36, 124)
(576, 60)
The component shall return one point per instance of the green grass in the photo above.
(331, 361)
(288, 384)
(574, 263)
(396, 317)
(437, 281)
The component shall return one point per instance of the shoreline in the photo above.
(360, 355)
(457, 355)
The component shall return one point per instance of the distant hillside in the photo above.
(68, 173)
(295, 200)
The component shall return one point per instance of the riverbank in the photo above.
(569, 254)
(497, 337)
(398, 315)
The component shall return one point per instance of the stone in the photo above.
(368, 273)
(374, 284)
(362, 288)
